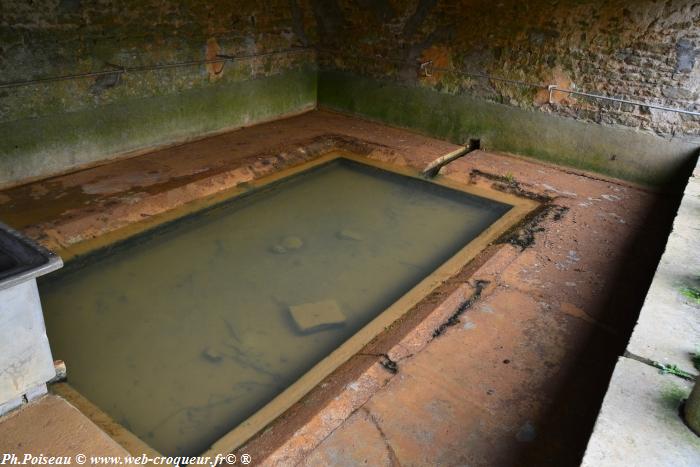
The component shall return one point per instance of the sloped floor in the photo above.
(517, 380)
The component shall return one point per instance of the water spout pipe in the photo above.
(434, 167)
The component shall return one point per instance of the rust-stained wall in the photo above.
(51, 127)
(644, 49)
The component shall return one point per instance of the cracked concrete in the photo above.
(393, 458)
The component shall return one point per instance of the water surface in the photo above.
(182, 334)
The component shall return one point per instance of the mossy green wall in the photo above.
(42, 146)
(620, 152)
(51, 127)
(646, 49)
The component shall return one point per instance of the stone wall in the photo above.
(643, 49)
(51, 127)
(369, 51)
(616, 151)
(640, 49)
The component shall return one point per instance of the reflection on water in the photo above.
(184, 334)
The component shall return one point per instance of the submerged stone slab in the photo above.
(312, 317)
(639, 423)
(349, 234)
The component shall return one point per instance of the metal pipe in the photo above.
(140, 69)
(428, 69)
(555, 88)
(425, 67)
(432, 169)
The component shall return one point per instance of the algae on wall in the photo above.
(644, 49)
(52, 144)
(636, 48)
(51, 127)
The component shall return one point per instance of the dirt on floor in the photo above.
(505, 364)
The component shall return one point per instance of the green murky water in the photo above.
(183, 333)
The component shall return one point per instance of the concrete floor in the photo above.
(639, 418)
(52, 427)
(518, 380)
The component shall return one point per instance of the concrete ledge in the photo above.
(639, 423)
(53, 427)
(668, 329)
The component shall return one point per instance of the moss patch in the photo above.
(45, 145)
(618, 152)
(691, 293)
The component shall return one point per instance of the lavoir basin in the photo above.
(195, 334)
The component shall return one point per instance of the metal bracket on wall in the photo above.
(551, 88)
(117, 68)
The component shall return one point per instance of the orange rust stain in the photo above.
(215, 70)
(440, 56)
(562, 80)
